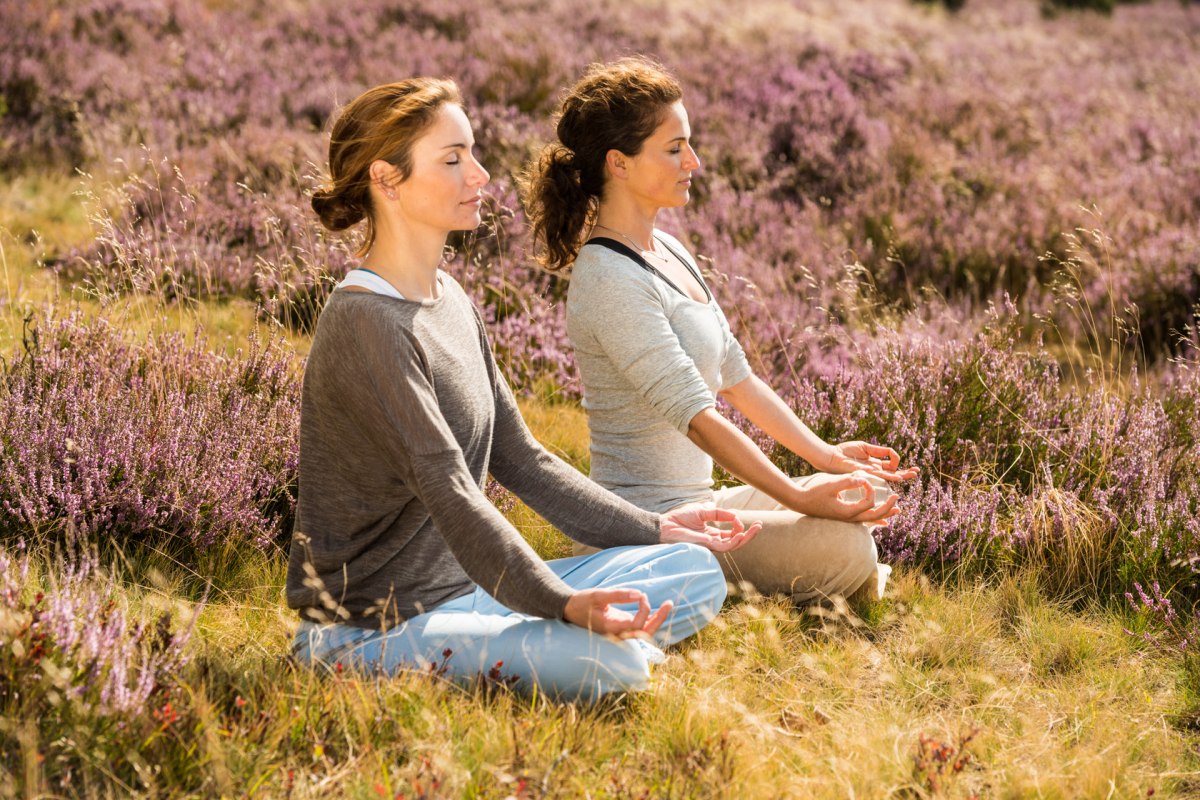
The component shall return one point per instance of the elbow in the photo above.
(737, 392)
(699, 428)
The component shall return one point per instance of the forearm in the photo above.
(740, 456)
(763, 407)
(569, 500)
(491, 552)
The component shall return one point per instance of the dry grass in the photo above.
(1030, 697)
(44, 215)
(767, 702)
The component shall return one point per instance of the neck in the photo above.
(407, 258)
(623, 216)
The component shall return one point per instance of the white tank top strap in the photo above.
(365, 279)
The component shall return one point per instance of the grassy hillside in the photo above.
(974, 236)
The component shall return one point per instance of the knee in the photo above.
(690, 556)
(612, 667)
(626, 668)
(700, 572)
(861, 551)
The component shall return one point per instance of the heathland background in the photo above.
(971, 234)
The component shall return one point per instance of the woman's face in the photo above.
(443, 192)
(661, 174)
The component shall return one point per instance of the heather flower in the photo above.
(814, 149)
(160, 439)
(69, 644)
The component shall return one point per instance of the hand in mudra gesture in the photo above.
(873, 459)
(596, 610)
(693, 523)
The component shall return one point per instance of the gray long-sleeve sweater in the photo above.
(403, 414)
(651, 358)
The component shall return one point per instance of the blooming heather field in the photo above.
(972, 235)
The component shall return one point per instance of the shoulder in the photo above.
(459, 303)
(452, 287)
(597, 265)
(367, 324)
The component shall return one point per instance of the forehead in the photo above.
(674, 123)
(450, 127)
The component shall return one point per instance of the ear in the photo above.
(385, 177)
(617, 164)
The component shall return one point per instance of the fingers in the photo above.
(602, 618)
(895, 477)
(851, 482)
(656, 621)
(877, 460)
(886, 454)
(734, 542)
(864, 509)
(643, 612)
(633, 629)
(881, 512)
(735, 527)
(712, 514)
(724, 541)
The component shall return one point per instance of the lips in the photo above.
(476, 201)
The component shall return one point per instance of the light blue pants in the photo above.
(562, 660)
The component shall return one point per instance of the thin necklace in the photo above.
(633, 242)
(664, 259)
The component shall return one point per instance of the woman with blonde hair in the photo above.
(398, 560)
(655, 351)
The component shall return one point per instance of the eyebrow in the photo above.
(456, 146)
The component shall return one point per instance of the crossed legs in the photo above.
(563, 660)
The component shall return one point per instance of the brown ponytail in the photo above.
(613, 107)
(380, 124)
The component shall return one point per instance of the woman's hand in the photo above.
(593, 609)
(882, 462)
(821, 496)
(690, 524)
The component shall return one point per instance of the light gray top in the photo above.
(403, 414)
(650, 358)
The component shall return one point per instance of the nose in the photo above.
(479, 176)
(692, 161)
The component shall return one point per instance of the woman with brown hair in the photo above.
(398, 559)
(655, 350)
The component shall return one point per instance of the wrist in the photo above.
(797, 500)
(569, 611)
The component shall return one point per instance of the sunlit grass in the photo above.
(43, 215)
(35, 210)
(768, 701)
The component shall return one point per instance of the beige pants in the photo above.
(808, 558)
